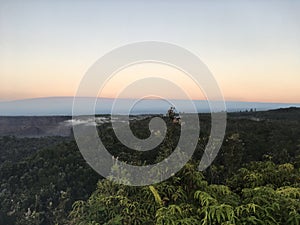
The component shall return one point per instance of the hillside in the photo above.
(43, 126)
(253, 180)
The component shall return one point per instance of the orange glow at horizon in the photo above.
(271, 81)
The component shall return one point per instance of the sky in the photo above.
(251, 47)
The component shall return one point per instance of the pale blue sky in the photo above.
(252, 47)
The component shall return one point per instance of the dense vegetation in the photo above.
(40, 189)
(254, 180)
(15, 149)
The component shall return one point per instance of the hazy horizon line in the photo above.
(111, 98)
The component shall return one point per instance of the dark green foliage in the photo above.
(188, 199)
(41, 189)
(14, 149)
(255, 178)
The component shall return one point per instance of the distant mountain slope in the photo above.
(63, 106)
(42, 126)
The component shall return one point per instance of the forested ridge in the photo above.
(255, 178)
